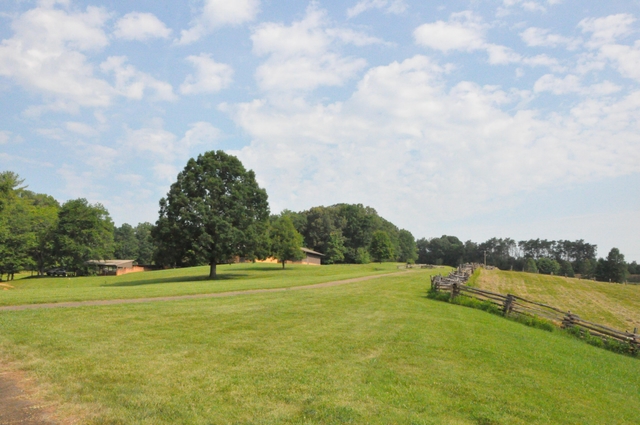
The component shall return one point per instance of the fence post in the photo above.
(508, 304)
(569, 320)
(455, 290)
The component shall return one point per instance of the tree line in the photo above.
(563, 257)
(215, 212)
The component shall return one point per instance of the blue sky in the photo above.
(507, 118)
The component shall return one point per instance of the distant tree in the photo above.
(407, 245)
(548, 266)
(285, 240)
(126, 242)
(362, 256)
(381, 248)
(213, 212)
(587, 268)
(44, 219)
(633, 268)
(566, 269)
(614, 268)
(530, 266)
(83, 232)
(146, 246)
(335, 248)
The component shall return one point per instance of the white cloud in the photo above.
(132, 83)
(7, 137)
(304, 55)
(165, 145)
(572, 84)
(200, 133)
(210, 76)
(464, 31)
(140, 26)
(218, 13)
(403, 129)
(45, 55)
(389, 6)
(540, 37)
(606, 30)
(605, 44)
(526, 5)
(81, 128)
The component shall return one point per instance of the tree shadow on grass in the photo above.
(176, 279)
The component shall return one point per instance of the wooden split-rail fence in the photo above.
(455, 283)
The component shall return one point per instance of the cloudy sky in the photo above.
(507, 118)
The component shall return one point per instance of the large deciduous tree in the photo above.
(83, 232)
(407, 244)
(213, 212)
(381, 247)
(285, 240)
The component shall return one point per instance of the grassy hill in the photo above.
(606, 303)
(374, 352)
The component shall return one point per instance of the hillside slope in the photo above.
(606, 303)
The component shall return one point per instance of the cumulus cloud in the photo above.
(305, 54)
(165, 145)
(465, 31)
(388, 6)
(218, 13)
(526, 5)
(607, 30)
(405, 127)
(140, 26)
(210, 76)
(132, 83)
(606, 35)
(572, 84)
(46, 54)
(540, 37)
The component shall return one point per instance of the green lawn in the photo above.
(373, 352)
(186, 281)
(607, 303)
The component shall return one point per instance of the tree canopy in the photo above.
(285, 240)
(213, 212)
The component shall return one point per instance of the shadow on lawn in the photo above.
(176, 279)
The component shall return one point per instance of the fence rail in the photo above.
(455, 283)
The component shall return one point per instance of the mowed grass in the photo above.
(606, 303)
(193, 280)
(373, 352)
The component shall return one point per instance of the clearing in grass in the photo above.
(374, 352)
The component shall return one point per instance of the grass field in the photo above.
(187, 281)
(374, 352)
(606, 303)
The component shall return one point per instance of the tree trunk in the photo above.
(212, 270)
(283, 261)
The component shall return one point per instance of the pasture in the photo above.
(371, 352)
(610, 304)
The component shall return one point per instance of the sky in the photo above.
(479, 119)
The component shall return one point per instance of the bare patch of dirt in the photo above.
(19, 403)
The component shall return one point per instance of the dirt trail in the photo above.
(16, 407)
(191, 297)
